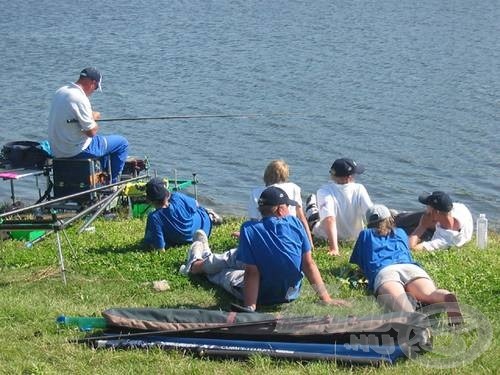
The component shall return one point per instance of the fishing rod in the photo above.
(184, 117)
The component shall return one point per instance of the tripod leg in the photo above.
(61, 259)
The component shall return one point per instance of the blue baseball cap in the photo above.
(93, 74)
(345, 167)
(274, 196)
(438, 200)
(156, 189)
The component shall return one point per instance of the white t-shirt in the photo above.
(291, 189)
(444, 238)
(68, 139)
(347, 203)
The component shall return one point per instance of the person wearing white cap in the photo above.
(72, 130)
(382, 253)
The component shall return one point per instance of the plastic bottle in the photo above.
(85, 323)
(482, 231)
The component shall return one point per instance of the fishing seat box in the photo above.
(73, 176)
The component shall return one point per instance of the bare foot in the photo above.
(455, 317)
(334, 253)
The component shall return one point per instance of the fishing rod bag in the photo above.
(24, 154)
(407, 329)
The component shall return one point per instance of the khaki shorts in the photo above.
(401, 273)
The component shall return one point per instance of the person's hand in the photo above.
(235, 234)
(96, 116)
(334, 252)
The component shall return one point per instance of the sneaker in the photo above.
(312, 212)
(214, 218)
(195, 253)
(201, 236)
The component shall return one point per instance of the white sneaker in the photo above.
(201, 236)
(195, 253)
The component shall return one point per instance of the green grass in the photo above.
(108, 269)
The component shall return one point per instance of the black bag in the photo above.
(24, 154)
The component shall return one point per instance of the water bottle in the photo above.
(482, 231)
(85, 323)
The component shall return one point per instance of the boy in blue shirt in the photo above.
(176, 218)
(267, 266)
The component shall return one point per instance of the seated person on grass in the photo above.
(341, 205)
(176, 217)
(383, 255)
(267, 266)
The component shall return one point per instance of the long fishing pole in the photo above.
(184, 117)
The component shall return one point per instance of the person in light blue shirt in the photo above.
(175, 219)
(383, 254)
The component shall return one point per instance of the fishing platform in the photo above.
(76, 190)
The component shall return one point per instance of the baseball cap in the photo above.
(156, 190)
(345, 167)
(376, 213)
(438, 200)
(274, 196)
(93, 74)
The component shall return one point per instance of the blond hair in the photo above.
(276, 172)
(383, 227)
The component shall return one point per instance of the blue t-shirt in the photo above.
(373, 252)
(176, 224)
(275, 246)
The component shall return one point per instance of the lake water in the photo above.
(410, 89)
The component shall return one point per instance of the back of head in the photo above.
(156, 190)
(345, 167)
(379, 217)
(92, 74)
(271, 198)
(276, 172)
(438, 200)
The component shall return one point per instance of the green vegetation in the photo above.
(107, 269)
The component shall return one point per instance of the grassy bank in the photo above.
(107, 269)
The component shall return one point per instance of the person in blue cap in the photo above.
(268, 265)
(176, 218)
(449, 222)
(341, 205)
(73, 129)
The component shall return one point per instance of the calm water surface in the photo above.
(411, 89)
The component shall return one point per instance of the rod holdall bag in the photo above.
(24, 154)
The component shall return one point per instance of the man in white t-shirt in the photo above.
(73, 129)
(451, 222)
(342, 204)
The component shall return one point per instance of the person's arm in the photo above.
(153, 235)
(93, 131)
(251, 286)
(311, 271)
(330, 227)
(426, 222)
(302, 217)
